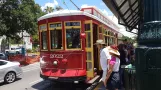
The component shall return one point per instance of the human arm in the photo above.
(109, 70)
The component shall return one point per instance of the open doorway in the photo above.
(95, 49)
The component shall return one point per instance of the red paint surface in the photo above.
(63, 73)
(75, 59)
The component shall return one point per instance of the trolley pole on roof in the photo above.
(75, 5)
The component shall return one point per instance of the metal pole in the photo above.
(148, 54)
(75, 5)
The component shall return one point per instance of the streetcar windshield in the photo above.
(56, 39)
(73, 38)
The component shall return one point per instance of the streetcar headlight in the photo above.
(42, 61)
(55, 62)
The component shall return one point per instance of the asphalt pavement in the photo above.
(31, 80)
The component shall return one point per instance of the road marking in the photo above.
(34, 82)
(31, 69)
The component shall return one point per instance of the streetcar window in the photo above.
(44, 39)
(55, 25)
(89, 66)
(73, 38)
(106, 40)
(88, 44)
(95, 12)
(100, 30)
(87, 27)
(43, 27)
(88, 10)
(72, 24)
(89, 57)
(56, 39)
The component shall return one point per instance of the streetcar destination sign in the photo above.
(56, 55)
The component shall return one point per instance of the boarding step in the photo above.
(93, 80)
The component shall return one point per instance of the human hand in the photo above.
(105, 83)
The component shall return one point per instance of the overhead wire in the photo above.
(66, 6)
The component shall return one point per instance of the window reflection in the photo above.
(56, 39)
(73, 38)
(44, 39)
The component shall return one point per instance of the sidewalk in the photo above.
(100, 86)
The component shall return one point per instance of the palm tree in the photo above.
(49, 9)
(58, 8)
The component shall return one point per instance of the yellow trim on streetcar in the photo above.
(56, 28)
(70, 27)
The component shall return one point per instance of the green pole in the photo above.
(148, 54)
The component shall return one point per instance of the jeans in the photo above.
(122, 80)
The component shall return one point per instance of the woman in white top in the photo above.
(112, 80)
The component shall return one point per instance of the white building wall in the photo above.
(2, 1)
(26, 39)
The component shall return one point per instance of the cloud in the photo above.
(104, 12)
(102, 4)
(53, 4)
(84, 5)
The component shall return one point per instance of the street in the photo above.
(31, 81)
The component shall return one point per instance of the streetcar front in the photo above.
(61, 49)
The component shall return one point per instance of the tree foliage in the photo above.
(17, 16)
(129, 39)
(51, 9)
(58, 8)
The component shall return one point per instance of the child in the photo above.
(112, 80)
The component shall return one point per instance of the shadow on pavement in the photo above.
(68, 86)
(42, 85)
(49, 85)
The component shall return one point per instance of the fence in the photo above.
(27, 59)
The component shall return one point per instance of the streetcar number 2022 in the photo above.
(56, 55)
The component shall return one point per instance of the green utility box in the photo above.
(148, 68)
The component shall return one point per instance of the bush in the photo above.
(28, 50)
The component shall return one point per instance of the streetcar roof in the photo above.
(76, 12)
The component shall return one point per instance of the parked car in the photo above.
(13, 50)
(9, 71)
(3, 56)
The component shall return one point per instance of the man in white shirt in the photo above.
(104, 57)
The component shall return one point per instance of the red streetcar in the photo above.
(66, 44)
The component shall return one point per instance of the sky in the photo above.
(82, 3)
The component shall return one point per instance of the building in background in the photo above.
(2, 1)
(27, 44)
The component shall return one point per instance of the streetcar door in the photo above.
(89, 48)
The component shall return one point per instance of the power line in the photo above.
(75, 5)
(66, 5)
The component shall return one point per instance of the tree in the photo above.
(49, 9)
(128, 39)
(17, 16)
(58, 8)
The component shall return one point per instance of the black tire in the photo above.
(10, 77)
(17, 52)
(7, 52)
